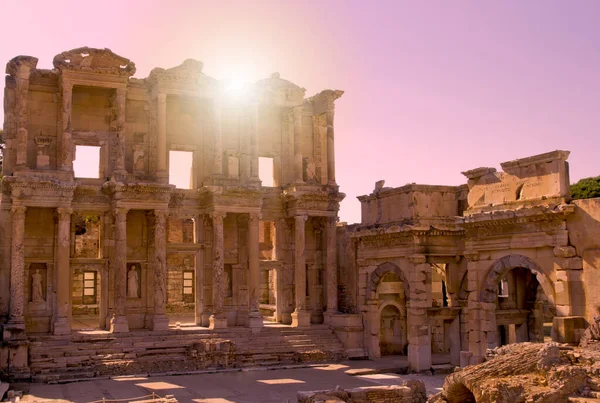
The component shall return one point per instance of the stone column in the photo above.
(218, 151)
(20, 67)
(298, 163)
(119, 129)
(16, 321)
(330, 112)
(199, 269)
(62, 311)
(254, 317)
(331, 269)
(118, 323)
(218, 320)
(161, 100)
(301, 316)
(160, 320)
(65, 155)
(254, 142)
(419, 334)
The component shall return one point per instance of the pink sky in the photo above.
(432, 88)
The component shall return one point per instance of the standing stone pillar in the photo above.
(254, 177)
(65, 155)
(118, 323)
(20, 67)
(298, 163)
(218, 151)
(283, 301)
(199, 269)
(254, 317)
(475, 315)
(119, 129)
(301, 316)
(330, 112)
(62, 311)
(16, 322)
(160, 320)
(218, 320)
(331, 259)
(419, 334)
(161, 100)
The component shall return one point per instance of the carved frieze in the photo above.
(102, 61)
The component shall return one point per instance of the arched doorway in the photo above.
(392, 331)
(524, 300)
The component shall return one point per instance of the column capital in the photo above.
(471, 255)
(417, 258)
(301, 219)
(161, 97)
(64, 213)
(120, 213)
(332, 221)
(18, 210)
(161, 214)
(254, 218)
(217, 216)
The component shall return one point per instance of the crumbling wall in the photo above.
(584, 235)
(412, 391)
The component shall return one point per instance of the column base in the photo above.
(217, 322)
(119, 324)
(160, 322)
(328, 317)
(205, 319)
(301, 319)
(14, 330)
(255, 321)
(61, 326)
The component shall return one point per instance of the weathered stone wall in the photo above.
(584, 236)
(412, 391)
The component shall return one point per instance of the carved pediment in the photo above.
(17, 63)
(102, 61)
(190, 70)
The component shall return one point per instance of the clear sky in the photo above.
(433, 88)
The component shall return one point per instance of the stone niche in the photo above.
(526, 180)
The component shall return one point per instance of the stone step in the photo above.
(440, 369)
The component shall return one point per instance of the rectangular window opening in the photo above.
(188, 283)
(89, 287)
(266, 171)
(180, 169)
(87, 162)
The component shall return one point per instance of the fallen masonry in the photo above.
(412, 391)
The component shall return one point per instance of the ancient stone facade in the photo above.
(125, 249)
(449, 271)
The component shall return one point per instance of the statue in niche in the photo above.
(37, 293)
(132, 282)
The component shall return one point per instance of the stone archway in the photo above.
(504, 265)
(517, 312)
(377, 275)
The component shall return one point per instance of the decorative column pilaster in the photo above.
(330, 112)
(254, 142)
(419, 333)
(20, 67)
(65, 155)
(161, 100)
(218, 320)
(199, 269)
(254, 317)
(160, 320)
(298, 163)
(301, 316)
(119, 129)
(62, 311)
(218, 151)
(476, 314)
(16, 322)
(331, 268)
(118, 323)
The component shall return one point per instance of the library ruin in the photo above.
(168, 223)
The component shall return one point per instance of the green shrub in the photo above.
(586, 188)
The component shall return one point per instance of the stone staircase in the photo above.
(87, 355)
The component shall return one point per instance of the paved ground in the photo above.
(273, 386)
